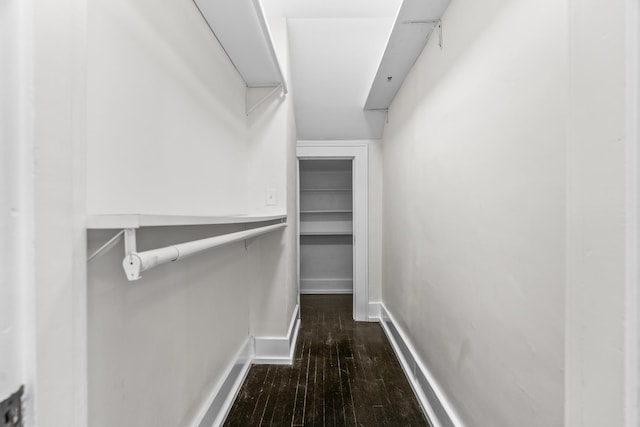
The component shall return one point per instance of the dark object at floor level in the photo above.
(344, 374)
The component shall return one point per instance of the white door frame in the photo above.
(16, 201)
(360, 155)
(632, 276)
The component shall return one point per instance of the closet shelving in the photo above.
(135, 262)
(415, 22)
(326, 198)
(327, 211)
(326, 226)
(326, 221)
(323, 190)
(242, 29)
(114, 221)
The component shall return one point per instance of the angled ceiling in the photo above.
(333, 62)
(335, 48)
(332, 8)
(341, 54)
(348, 58)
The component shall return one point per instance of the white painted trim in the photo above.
(326, 291)
(326, 286)
(632, 293)
(17, 286)
(220, 401)
(147, 220)
(375, 311)
(359, 152)
(278, 350)
(434, 402)
(297, 190)
(17, 107)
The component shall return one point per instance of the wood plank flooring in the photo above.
(344, 374)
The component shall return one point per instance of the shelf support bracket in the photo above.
(131, 263)
(437, 26)
(263, 99)
(129, 240)
(107, 246)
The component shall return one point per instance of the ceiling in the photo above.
(332, 8)
(342, 53)
(335, 48)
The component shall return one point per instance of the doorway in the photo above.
(326, 226)
(333, 222)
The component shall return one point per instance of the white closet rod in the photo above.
(135, 263)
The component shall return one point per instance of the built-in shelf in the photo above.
(116, 221)
(326, 233)
(243, 32)
(326, 228)
(415, 22)
(325, 190)
(327, 212)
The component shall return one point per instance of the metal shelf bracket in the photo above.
(107, 246)
(263, 99)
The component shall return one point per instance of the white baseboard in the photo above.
(434, 403)
(326, 286)
(255, 350)
(278, 350)
(221, 399)
(373, 314)
(326, 291)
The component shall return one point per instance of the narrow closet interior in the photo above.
(326, 226)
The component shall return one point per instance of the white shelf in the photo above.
(415, 22)
(116, 221)
(319, 228)
(243, 32)
(325, 190)
(326, 212)
(326, 233)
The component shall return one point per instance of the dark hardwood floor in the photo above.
(344, 374)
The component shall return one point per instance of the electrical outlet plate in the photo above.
(11, 410)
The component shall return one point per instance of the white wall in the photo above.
(474, 210)
(595, 215)
(632, 234)
(55, 122)
(12, 352)
(168, 134)
(375, 219)
(166, 122)
(42, 123)
(158, 347)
